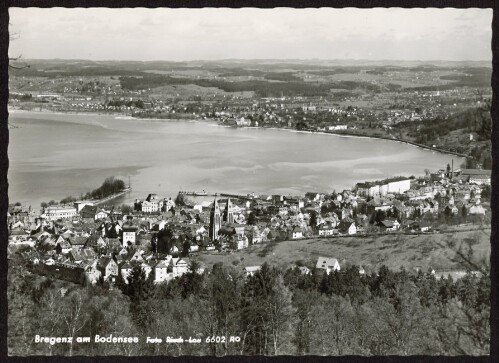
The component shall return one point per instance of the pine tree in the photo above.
(313, 220)
(139, 289)
(251, 219)
(464, 211)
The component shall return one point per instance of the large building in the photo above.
(148, 207)
(151, 204)
(382, 188)
(476, 176)
(56, 212)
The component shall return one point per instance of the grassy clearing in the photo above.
(395, 251)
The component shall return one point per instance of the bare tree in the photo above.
(471, 325)
(74, 315)
(12, 37)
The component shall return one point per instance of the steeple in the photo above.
(215, 220)
(228, 213)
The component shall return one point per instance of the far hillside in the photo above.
(268, 78)
(468, 133)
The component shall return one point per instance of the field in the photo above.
(437, 251)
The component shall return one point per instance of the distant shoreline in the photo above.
(352, 135)
(346, 134)
(442, 151)
(14, 111)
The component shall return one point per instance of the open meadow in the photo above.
(436, 250)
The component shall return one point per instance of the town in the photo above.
(86, 243)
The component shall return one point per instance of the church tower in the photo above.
(228, 213)
(215, 220)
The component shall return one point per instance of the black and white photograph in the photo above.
(249, 182)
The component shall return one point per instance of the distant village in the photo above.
(85, 243)
(283, 112)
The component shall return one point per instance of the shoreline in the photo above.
(426, 147)
(45, 111)
(346, 135)
(351, 135)
(116, 115)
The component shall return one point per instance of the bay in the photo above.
(56, 155)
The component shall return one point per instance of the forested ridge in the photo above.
(262, 88)
(274, 312)
(453, 134)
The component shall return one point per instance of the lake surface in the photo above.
(56, 155)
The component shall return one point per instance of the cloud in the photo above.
(209, 33)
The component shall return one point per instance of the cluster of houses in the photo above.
(82, 251)
(287, 111)
(325, 264)
(384, 206)
(89, 242)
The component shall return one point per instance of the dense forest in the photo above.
(262, 88)
(273, 312)
(287, 85)
(471, 77)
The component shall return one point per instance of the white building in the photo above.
(148, 207)
(337, 127)
(383, 188)
(168, 204)
(179, 266)
(398, 186)
(477, 176)
(161, 271)
(239, 242)
(125, 270)
(54, 212)
(151, 204)
(243, 122)
(328, 264)
(309, 108)
(326, 230)
(477, 209)
(251, 270)
(129, 234)
(297, 233)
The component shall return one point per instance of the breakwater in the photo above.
(113, 196)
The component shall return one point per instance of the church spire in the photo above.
(215, 220)
(228, 213)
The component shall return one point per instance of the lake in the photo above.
(56, 155)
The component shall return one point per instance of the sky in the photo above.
(249, 33)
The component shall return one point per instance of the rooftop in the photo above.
(476, 172)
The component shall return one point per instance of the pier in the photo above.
(111, 197)
(225, 195)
